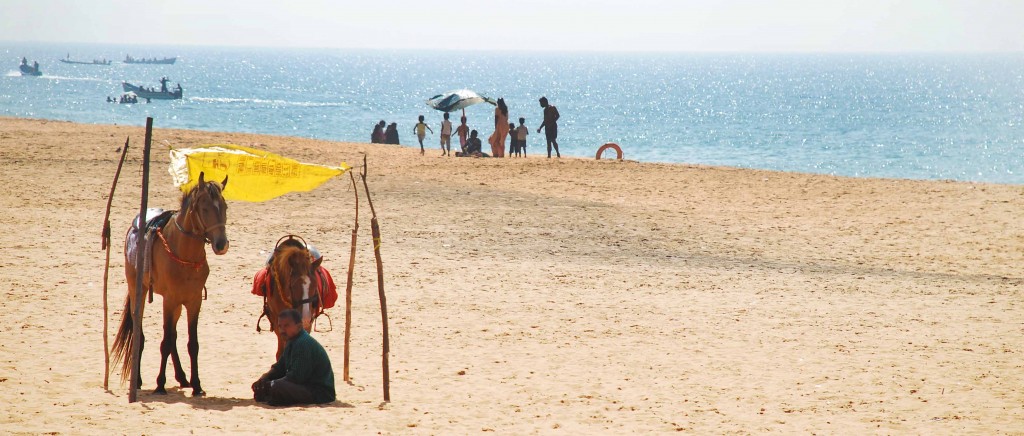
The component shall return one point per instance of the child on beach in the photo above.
(421, 130)
(446, 136)
(513, 143)
(463, 132)
(521, 132)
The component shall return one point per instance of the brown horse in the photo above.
(177, 271)
(294, 284)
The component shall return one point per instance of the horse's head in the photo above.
(293, 271)
(205, 202)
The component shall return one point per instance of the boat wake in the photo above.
(84, 79)
(47, 76)
(264, 102)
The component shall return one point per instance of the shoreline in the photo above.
(535, 155)
(537, 296)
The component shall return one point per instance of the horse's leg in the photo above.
(179, 372)
(138, 363)
(142, 333)
(193, 345)
(168, 346)
(280, 345)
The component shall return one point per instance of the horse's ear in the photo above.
(201, 176)
(317, 263)
(224, 184)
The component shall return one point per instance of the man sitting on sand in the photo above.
(473, 147)
(302, 375)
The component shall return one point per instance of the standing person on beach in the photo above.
(550, 125)
(513, 142)
(497, 139)
(303, 373)
(446, 136)
(521, 133)
(463, 132)
(421, 130)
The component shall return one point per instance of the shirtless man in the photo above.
(550, 125)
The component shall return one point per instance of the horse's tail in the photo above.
(123, 342)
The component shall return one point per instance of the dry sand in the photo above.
(566, 296)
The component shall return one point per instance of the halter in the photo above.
(202, 236)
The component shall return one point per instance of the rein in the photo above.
(174, 257)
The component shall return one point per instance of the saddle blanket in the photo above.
(156, 218)
(329, 292)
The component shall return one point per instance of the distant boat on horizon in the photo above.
(68, 60)
(162, 94)
(29, 70)
(165, 61)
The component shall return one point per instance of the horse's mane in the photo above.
(214, 189)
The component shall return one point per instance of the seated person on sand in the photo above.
(473, 147)
(302, 375)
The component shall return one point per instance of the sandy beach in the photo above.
(526, 296)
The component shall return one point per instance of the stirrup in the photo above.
(330, 324)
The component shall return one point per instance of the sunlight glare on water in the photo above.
(905, 116)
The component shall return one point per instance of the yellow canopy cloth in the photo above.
(254, 175)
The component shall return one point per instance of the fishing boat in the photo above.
(29, 70)
(150, 93)
(68, 60)
(165, 61)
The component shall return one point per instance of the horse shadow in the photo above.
(177, 395)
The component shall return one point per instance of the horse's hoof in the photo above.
(160, 391)
(184, 384)
(198, 394)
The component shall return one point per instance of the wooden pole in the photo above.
(106, 266)
(140, 261)
(348, 286)
(375, 229)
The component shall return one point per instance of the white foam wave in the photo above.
(85, 79)
(265, 102)
(46, 76)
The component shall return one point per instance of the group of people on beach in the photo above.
(469, 139)
(384, 133)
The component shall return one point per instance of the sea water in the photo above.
(916, 116)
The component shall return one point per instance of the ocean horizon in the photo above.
(909, 116)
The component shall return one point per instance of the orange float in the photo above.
(613, 146)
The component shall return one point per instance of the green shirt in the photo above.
(304, 361)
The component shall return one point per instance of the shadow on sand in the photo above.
(179, 395)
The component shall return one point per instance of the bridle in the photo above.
(201, 236)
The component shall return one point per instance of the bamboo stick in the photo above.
(136, 349)
(348, 286)
(375, 229)
(106, 266)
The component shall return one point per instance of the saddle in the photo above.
(155, 218)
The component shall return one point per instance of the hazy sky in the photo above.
(684, 25)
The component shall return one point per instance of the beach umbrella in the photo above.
(458, 99)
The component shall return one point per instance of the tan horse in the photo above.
(293, 285)
(178, 272)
